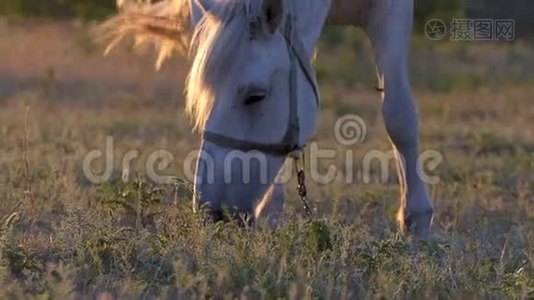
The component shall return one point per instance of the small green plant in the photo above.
(318, 236)
(138, 202)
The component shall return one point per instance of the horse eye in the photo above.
(254, 98)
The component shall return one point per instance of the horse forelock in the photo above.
(217, 47)
(217, 40)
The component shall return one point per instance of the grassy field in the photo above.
(64, 237)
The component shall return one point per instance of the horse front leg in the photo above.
(389, 29)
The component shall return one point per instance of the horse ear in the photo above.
(273, 11)
(198, 9)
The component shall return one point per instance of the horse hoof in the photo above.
(418, 225)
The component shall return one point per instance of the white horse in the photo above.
(251, 91)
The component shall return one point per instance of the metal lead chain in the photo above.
(301, 185)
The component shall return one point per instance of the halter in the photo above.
(290, 141)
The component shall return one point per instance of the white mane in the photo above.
(218, 39)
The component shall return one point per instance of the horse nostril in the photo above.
(254, 98)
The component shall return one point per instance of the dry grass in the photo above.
(62, 237)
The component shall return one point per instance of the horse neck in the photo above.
(311, 16)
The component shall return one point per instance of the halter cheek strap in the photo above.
(297, 50)
(290, 141)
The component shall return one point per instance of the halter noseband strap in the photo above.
(290, 141)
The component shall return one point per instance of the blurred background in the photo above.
(97, 9)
